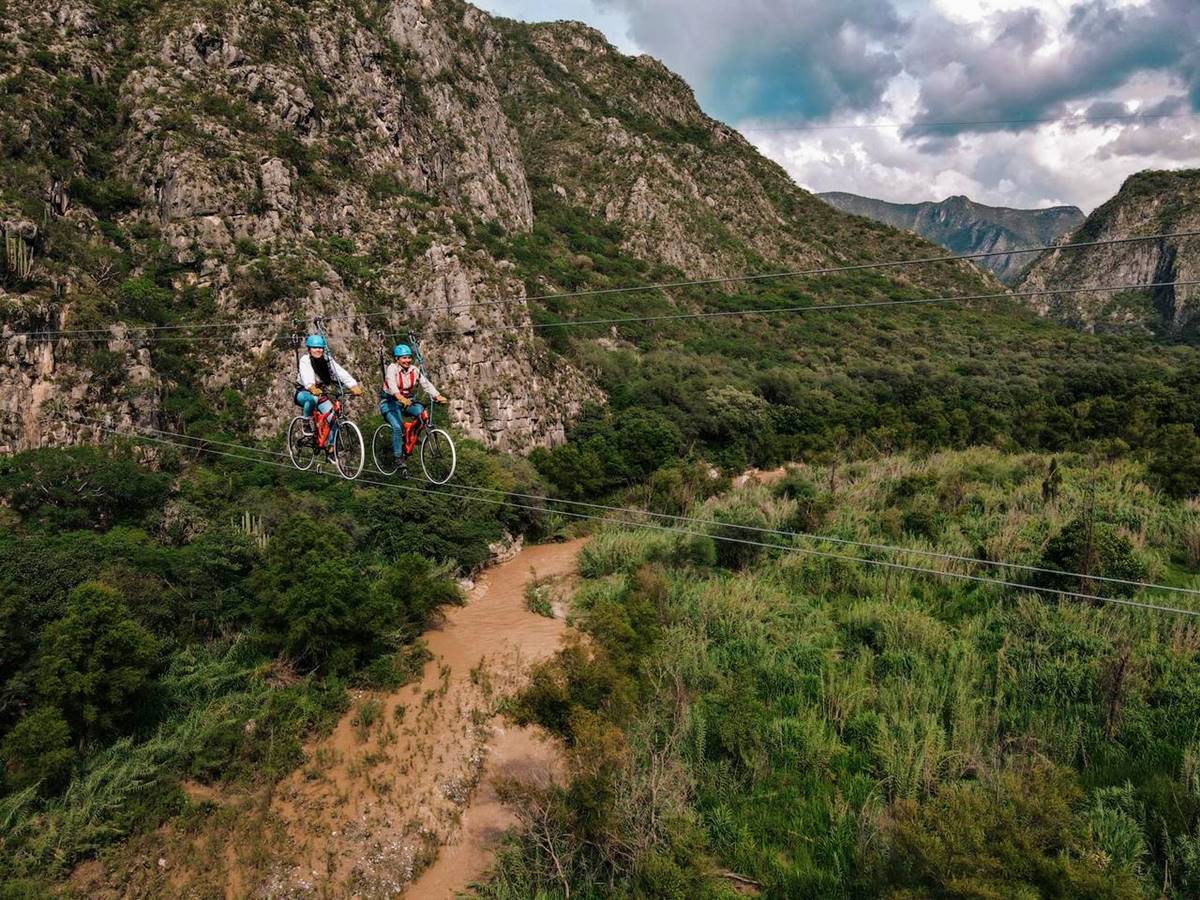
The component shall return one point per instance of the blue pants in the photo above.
(395, 412)
(309, 402)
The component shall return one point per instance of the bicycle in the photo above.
(306, 435)
(437, 452)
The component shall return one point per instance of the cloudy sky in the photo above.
(831, 89)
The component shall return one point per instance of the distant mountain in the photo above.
(963, 226)
(1147, 203)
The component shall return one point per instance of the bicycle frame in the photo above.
(331, 418)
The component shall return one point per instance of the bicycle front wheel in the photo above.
(348, 451)
(302, 447)
(381, 450)
(438, 456)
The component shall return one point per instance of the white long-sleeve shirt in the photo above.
(405, 382)
(307, 375)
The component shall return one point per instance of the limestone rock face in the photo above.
(291, 166)
(1148, 203)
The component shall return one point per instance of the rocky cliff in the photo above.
(259, 164)
(1147, 203)
(963, 226)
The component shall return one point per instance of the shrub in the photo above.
(607, 451)
(141, 298)
(96, 662)
(1091, 549)
(108, 197)
(1014, 835)
(736, 546)
(1175, 460)
(38, 751)
(317, 608)
(81, 487)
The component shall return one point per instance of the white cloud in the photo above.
(768, 64)
(1054, 165)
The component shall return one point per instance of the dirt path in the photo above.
(397, 799)
(389, 800)
(514, 751)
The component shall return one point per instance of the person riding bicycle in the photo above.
(317, 372)
(397, 401)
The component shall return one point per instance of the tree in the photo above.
(38, 751)
(96, 661)
(81, 487)
(1175, 460)
(1091, 548)
(320, 604)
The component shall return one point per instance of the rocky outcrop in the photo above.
(622, 138)
(288, 166)
(963, 226)
(1148, 203)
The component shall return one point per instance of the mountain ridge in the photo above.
(963, 225)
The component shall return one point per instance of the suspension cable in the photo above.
(446, 491)
(52, 334)
(865, 545)
(757, 311)
(823, 307)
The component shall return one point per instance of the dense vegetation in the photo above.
(173, 621)
(827, 729)
(762, 389)
(816, 726)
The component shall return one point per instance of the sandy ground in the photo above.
(397, 799)
(760, 476)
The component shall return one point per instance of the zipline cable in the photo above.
(694, 520)
(821, 307)
(757, 311)
(980, 579)
(49, 334)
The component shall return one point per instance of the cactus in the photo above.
(18, 254)
(252, 526)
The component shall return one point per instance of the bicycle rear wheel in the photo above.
(349, 454)
(381, 450)
(301, 446)
(438, 456)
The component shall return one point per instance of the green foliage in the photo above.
(81, 487)
(38, 752)
(108, 197)
(839, 730)
(145, 639)
(605, 452)
(1016, 835)
(761, 390)
(1093, 548)
(316, 608)
(1175, 460)
(95, 663)
(737, 544)
(142, 299)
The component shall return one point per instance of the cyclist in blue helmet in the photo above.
(397, 400)
(317, 372)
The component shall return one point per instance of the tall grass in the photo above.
(823, 712)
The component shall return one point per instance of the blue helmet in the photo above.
(316, 340)
(402, 350)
